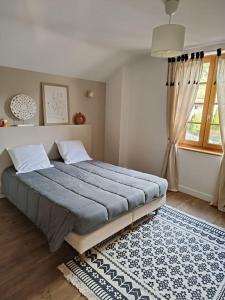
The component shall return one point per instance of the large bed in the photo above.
(82, 203)
(80, 198)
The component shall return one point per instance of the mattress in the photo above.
(80, 197)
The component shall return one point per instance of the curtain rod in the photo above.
(218, 52)
(207, 53)
(197, 55)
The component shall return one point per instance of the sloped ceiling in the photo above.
(90, 38)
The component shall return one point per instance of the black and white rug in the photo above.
(171, 256)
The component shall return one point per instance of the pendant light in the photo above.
(168, 39)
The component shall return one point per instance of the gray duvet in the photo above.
(79, 197)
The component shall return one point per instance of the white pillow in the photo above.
(29, 158)
(72, 151)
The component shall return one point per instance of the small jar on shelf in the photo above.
(3, 123)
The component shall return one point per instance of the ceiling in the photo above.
(90, 38)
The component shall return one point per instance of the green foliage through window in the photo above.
(203, 127)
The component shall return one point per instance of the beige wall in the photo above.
(15, 81)
(113, 117)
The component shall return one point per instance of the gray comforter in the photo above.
(79, 197)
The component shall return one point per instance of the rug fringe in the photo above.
(82, 288)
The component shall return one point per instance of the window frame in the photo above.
(207, 113)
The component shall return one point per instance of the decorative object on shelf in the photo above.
(90, 94)
(168, 39)
(23, 107)
(55, 103)
(3, 123)
(79, 119)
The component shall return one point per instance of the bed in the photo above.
(80, 198)
(83, 203)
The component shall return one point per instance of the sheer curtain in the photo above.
(220, 197)
(183, 82)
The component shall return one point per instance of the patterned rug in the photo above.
(170, 256)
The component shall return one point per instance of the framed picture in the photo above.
(55, 103)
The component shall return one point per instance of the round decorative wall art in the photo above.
(23, 107)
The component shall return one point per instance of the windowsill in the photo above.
(197, 149)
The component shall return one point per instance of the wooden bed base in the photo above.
(82, 243)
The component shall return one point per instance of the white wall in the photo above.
(138, 140)
(198, 173)
(145, 99)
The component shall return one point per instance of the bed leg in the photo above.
(82, 256)
(156, 211)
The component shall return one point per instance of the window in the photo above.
(203, 129)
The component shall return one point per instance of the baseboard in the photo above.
(196, 193)
(2, 196)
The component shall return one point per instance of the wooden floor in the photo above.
(29, 271)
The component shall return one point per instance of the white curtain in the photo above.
(183, 82)
(220, 196)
